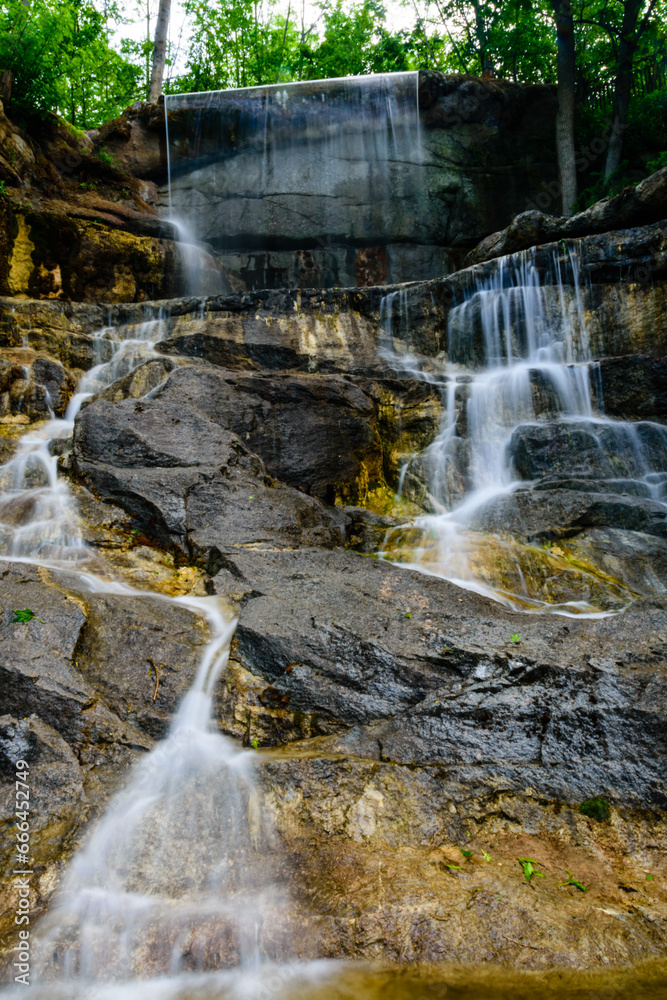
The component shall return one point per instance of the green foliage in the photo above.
(62, 62)
(466, 854)
(515, 638)
(597, 808)
(255, 743)
(105, 157)
(644, 146)
(3, 189)
(25, 616)
(241, 44)
(512, 38)
(486, 855)
(572, 881)
(528, 868)
(657, 164)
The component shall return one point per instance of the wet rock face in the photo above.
(436, 665)
(53, 255)
(632, 388)
(318, 435)
(587, 449)
(486, 146)
(190, 481)
(36, 391)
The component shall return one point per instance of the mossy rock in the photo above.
(596, 808)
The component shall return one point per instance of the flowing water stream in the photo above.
(179, 874)
(518, 409)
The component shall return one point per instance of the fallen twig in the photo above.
(157, 677)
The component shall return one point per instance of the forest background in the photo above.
(86, 61)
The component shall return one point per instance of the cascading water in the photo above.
(303, 172)
(179, 876)
(518, 365)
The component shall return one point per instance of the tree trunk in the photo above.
(480, 33)
(565, 116)
(622, 84)
(6, 83)
(159, 51)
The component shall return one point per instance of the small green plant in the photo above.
(255, 743)
(3, 189)
(528, 869)
(105, 157)
(73, 129)
(454, 868)
(408, 615)
(516, 638)
(572, 881)
(485, 855)
(445, 650)
(26, 616)
(650, 878)
(597, 808)
(466, 854)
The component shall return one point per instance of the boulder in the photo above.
(560, 510)
(188, 480)
(634, 206)
(328, 436)
(425, 673)
(589, 449)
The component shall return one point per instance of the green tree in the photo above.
(59, 56)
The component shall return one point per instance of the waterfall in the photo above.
(516, 391)
(179, 876)
(299, 176)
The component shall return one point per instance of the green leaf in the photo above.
(26, 616)
(528, 869)
(572, 881)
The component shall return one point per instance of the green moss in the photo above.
(596, 808)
